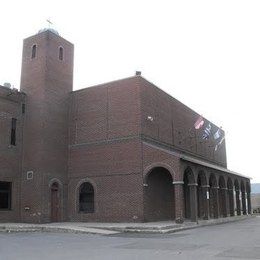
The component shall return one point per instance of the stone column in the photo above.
(238, 202)
(243, 194)
(246, 203)
(205, 201)
(228, 202)
(179, 201)
(249, 203)
(193, 202)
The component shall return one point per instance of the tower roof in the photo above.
(48, 29)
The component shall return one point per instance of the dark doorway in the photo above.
(190, 195)
(238, 197)
(202, 194)
(159, 195)
(5, 195)
(222, 197)
(243, 196)
(213, 197)
(248, 193)
(55, 202)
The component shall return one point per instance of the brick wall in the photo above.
(105, 150)
(10, 156)
(173, 125)
(114, 170)
(105, 112)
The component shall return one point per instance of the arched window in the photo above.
(86, 198)
(33, 51)
(60, 53)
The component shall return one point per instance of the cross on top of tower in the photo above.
(49, 23)
(49, 28)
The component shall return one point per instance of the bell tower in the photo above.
(46, 79)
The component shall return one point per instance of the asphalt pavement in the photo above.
(236, 240)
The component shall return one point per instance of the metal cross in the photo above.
(49, 22)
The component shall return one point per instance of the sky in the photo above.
(204, 53)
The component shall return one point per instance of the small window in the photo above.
(60, 53)
(33, 51)
(13, 131)
(5, 195)
(86, 198)
(23, 108)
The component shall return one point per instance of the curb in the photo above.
(116, 230)
(174, 228)
(93, 231)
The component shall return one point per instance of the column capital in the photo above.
(177, 182)
(145, 184)
(204, 186)
(215, 187)
(193, 184)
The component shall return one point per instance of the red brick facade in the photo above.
(133, 144)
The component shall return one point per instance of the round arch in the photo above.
(189, 175)
(77, 196)
(53, 180)
(229, 183)
(202, 178)
(149, 169)
(159, 195)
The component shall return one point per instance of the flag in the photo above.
(219, 143)
(207, 132)
(199, 123)
(217, 134)
(222, 139)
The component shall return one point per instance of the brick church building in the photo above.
(123, 151)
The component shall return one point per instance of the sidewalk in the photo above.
(114, 228)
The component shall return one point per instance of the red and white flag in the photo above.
(199, 123)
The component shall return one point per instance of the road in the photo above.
(238, 240)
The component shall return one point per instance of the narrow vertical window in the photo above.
(60, 53)
(23, 108)
(5, 195)
(13, 131)
(33, 51)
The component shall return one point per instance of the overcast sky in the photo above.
(204, 53)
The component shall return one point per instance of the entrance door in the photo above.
(55, 203)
